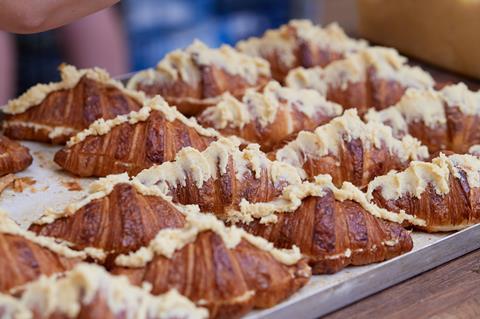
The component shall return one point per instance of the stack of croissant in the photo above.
(305, 152)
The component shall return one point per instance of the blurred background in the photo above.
(133, 35)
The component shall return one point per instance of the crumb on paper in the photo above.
(22, 183)
(6, 181)
(72, 186)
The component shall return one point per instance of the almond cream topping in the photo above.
(8, 226)
(169, 240)
(67, 295)
(102, 127)
(185, 65)
(11, 308)
(263, 107)
(287, 38)
(414, 180)
(202, 166)
(460, 96)
(70, 77)
(293, 196)
(328, 139)
(387, 63)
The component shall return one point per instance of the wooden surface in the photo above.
(448, 291)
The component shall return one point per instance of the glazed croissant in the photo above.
(26, 256)
(194, 78)
(14, 157)
(54, 112)
(376, 77)
(222, 268)
(442, 120)
(300, 43)
(332, 227)
(220, 177)
(445, 192)
(268, 118)
(350, 150)
(115, 217)
(132, 142)
(89, 291)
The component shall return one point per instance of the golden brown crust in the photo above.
(455, 210)
(120, 222)
(191, 100)
(130, 147)
(373, 92)
(14, 157)
(23, 261)
(229, 282)
(271, 116)
(65, 112)
(334, 234)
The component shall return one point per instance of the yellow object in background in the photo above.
(443, 32)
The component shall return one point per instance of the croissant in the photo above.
(442, 120)
(220, 177)
(332, 227)
(14, 157)
(130, 143)
(115, 217)
(194, 78)
(300, 43)
(222, 268)
(268, 118)
(376, 77)
(445, 193)
(54, 112)
(26, 256)
(350, 150)
(88, 291)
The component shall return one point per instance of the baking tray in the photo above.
(323, 294)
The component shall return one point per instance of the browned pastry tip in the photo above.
(25, 257)
(53, 113)
(118, 222)
(229, 282)
(444, 193)
(442, 120)
(300, 43)
(375, 77)
(142, 140)
(350, 150)
(194, 78)
(270, 116)
(14, 157)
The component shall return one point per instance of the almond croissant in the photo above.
(300, 43)
(222, 268)
(26, 256)
(194, 78)
(350, 150)
(88, 291)
(14, 157)
(54, 112)
(445, 193)
(371, 78)
(268, 118)
(220, 177)
(130, 143)
(116, 217)
(442, 120)
(332, 227)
